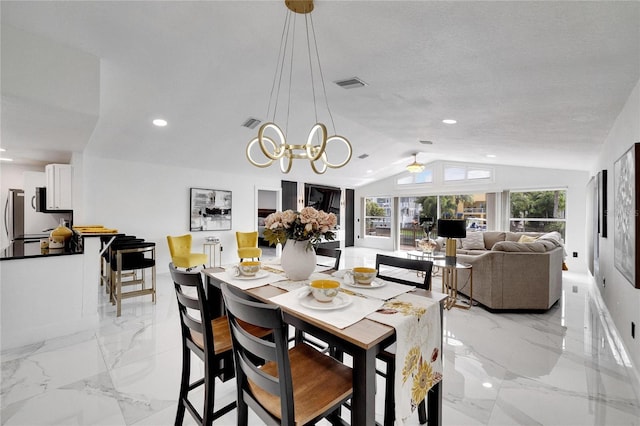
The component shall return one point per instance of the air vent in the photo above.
(351, 83)
(426, 142)
(363, 156)
(251, 123)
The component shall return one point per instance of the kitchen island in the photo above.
(48, 293)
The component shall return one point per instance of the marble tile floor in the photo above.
(562, 367)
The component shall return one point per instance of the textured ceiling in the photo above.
(534, 83)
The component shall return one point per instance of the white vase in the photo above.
(298, 260)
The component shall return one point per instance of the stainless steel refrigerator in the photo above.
(14, 214)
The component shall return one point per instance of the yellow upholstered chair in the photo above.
(248, 245)
(181, 255)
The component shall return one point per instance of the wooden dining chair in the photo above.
(296, 386)
(330, 252)
(388, 268)
(209, 339)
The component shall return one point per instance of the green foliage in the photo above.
(538, 204)
(373, 209)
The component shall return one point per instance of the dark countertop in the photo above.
(22, 249)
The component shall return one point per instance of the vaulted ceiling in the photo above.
(534, 83)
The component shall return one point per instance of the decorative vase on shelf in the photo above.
(298, 260)
(59, 236)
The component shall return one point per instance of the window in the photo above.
(538, 211)
(377, 217)
(458, 173)
(425, 176)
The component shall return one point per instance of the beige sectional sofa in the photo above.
(509, 274)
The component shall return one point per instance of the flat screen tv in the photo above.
(326, 198)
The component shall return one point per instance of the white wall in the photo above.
(152, 201)
(506, 178)
(621, 298)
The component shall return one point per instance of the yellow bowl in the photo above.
(249, 268)
(324, 290)
(363, 275)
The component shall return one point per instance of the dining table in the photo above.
(363, 340)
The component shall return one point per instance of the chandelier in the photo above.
(415, 167)
(271, 138)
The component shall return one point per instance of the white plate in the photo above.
(374, 284)
(260, 274)
(340, 273)
(340, 301)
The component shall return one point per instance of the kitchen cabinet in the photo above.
(59, 186)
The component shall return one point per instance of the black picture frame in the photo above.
(626, 217)
(210, 209)
(602, 203)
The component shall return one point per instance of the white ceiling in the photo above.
(534, 83)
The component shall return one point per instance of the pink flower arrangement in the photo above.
(308, 224)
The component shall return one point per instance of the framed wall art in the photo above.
(626, 218)
(210, 210)
(602, 203)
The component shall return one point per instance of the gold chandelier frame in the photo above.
(275, 147)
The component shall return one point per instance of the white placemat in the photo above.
(388, 291)
(245, 284)
(290, 285)
(418, 356)
(278, 267)
(359, 308)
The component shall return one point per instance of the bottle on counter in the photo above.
(59, 237)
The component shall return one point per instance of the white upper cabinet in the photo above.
(59, 186)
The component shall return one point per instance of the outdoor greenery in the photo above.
(373, 209)
(538, 204)
(448, 205)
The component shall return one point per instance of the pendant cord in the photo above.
(277, 76)
(313, 86)
(324, 89)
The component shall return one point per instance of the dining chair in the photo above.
(209, 339)
(295, 386)
(248, 245)
(181, 255)
(128, 258)
(388, 267)
(330, 252)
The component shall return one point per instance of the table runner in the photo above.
(359, 308)
(418, 354)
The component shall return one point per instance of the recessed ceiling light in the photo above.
(159, 122)
(449, 121)
(2, 150)
(369, 171)
(487, 385)
(491, 156)
(6, 159)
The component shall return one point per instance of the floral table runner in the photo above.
(418, 353)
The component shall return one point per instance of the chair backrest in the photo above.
(330, 252)
(247, 239)
(424, 266)
(179, 246)
(247, 349)
(195, 318)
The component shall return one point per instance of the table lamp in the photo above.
(451, 229)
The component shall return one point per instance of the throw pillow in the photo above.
(474, 241)
(527, 239)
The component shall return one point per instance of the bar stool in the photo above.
(131, 256)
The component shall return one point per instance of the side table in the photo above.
(450, 283)
(423, 255)
(213, 250)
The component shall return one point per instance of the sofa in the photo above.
(512, 270)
